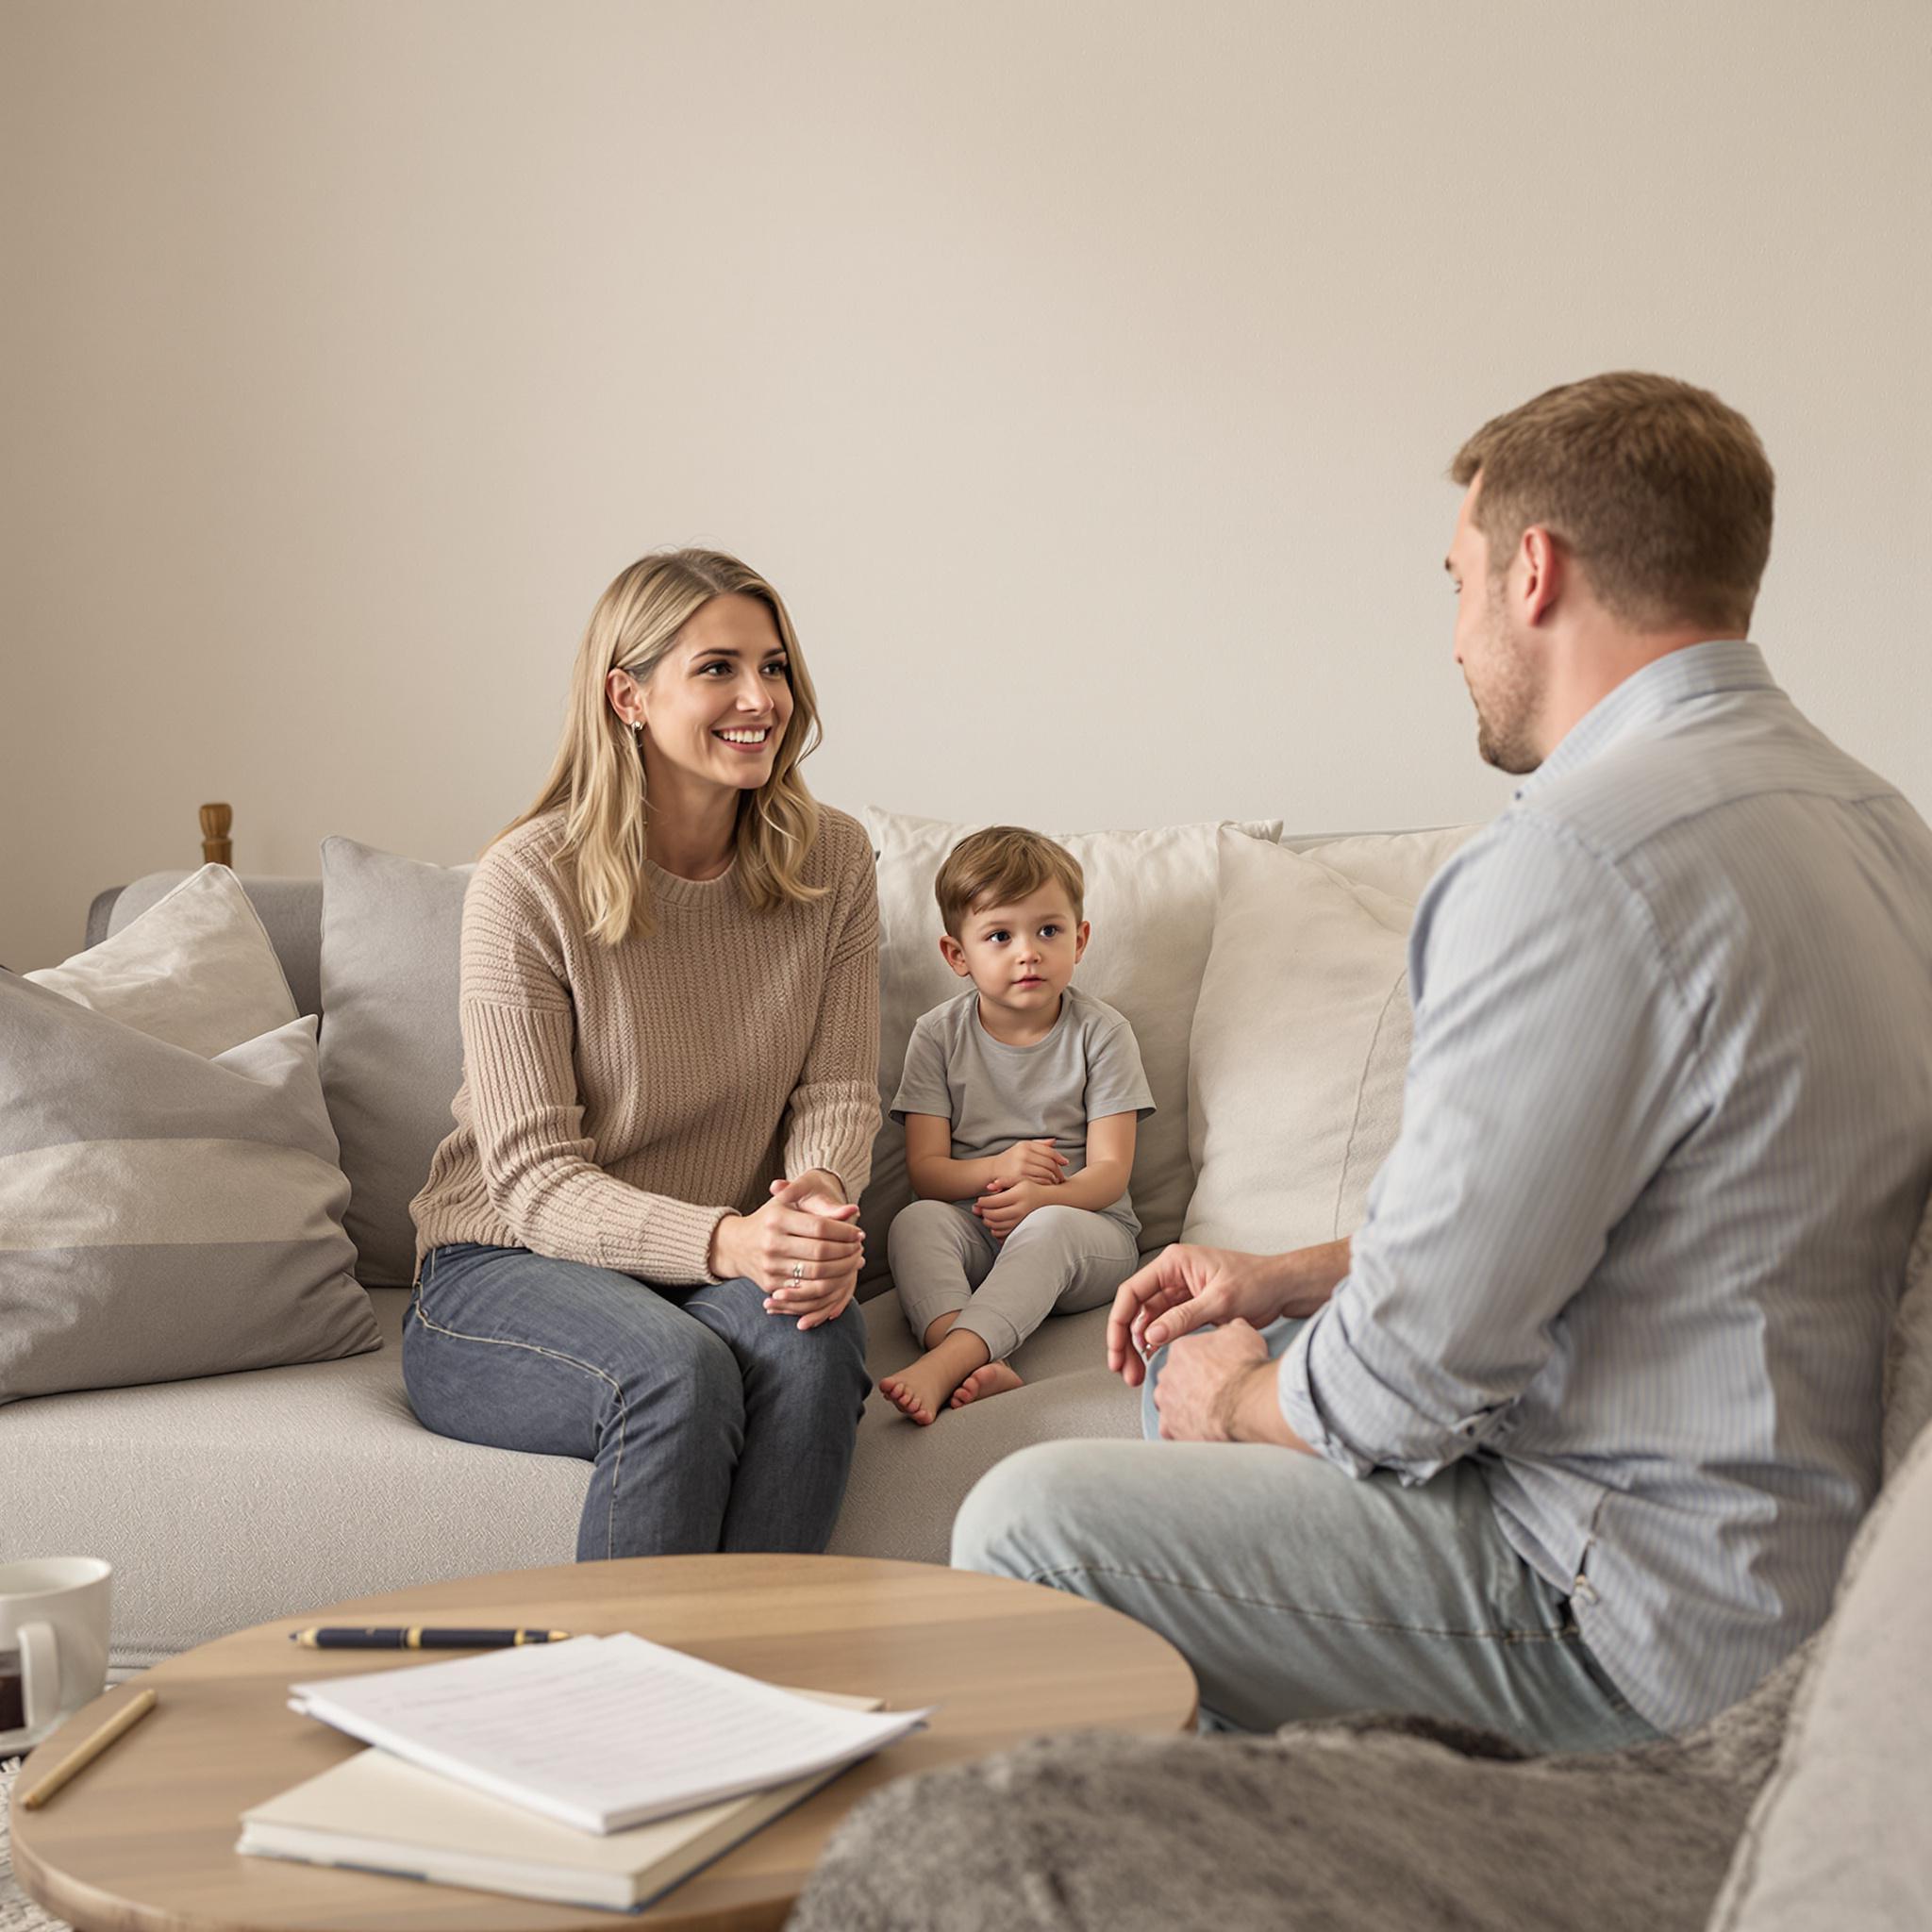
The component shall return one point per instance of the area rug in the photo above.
(18, 1913)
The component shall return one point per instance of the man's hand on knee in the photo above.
(1186, 1288)
(1220, 1387)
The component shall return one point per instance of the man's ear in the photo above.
(953, 954)
(1544, 569)
(1080, 940)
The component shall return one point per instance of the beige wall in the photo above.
(1083, 373)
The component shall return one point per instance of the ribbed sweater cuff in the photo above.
(670, 1242)
(833, 1127)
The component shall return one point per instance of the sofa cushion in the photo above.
(1300, 1044)
(1150, 896)
(1837, 1836)
(1398, 863)
(290, 911)
(163, 1215)
(907, 1482)
(392, 1046)
(195, 969)
(233, 1499)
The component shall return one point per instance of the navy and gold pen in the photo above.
(418, 1637)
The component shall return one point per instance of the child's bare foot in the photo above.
(920, 1395)
(996, 1378)
(920, 1391)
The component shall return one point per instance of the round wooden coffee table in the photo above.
(143, 1840)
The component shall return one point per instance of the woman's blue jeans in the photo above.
(710, 1425)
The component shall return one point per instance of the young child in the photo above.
(1020, 1102)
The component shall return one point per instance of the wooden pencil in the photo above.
(90, 1748)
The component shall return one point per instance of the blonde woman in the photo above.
(638, 1246)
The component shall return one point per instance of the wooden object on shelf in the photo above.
(217, 848)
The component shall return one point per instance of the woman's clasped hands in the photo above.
(804, 1248)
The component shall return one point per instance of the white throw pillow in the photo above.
(196, 969)
(1150, 896)
(1398, 863)
(1299, 1050)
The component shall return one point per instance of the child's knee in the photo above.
(917, 1224)
(1053, 1223)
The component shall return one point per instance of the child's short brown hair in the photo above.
(999, 865)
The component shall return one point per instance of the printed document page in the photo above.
(600, 1732)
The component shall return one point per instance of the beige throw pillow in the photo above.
(1150, 896)
(1299, 1049)
(197, 969)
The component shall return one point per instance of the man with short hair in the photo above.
(1572, 1438)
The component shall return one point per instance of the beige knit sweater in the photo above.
(618, 1102)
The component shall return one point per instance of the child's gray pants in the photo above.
(1057, 1261)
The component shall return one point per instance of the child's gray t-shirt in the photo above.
(1087, 1067)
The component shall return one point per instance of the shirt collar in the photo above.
(1646, 695)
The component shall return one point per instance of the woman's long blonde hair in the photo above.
(598, 779)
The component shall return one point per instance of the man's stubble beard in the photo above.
(1503, 726)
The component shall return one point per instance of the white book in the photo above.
(375, 1813)
(601, 1733)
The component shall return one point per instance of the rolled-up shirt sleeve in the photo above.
(1553, 1068)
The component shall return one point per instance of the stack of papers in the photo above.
(599, 1772)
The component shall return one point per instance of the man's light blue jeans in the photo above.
(708, 1424)
(1297, 1591)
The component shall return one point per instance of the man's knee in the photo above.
(1014, 1521)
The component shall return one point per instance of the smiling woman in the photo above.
(639, 1244)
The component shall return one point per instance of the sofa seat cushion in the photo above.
(907, 1482)
(231, 1499)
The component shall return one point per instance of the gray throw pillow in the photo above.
(163, 1215)
(391, 1044)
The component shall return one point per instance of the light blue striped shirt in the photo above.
(1666, 1137)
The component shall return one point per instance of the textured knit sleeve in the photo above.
(540, 1168)
(834, 1111)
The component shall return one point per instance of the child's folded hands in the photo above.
(1005, 1204)
(1030, 1160)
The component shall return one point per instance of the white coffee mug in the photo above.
(53, 1644)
